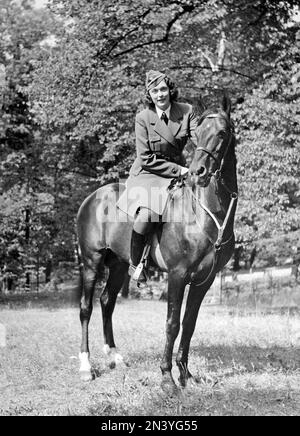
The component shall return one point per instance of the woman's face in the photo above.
(161, 96)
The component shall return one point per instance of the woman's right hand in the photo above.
(183, 171)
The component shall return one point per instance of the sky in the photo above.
(40, 3)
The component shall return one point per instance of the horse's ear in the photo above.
(201, 103)
(200, 106)
(226, 104)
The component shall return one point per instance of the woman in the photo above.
(162, 131)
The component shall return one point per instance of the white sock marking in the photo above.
(85, 365)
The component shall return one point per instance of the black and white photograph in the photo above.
(149, 211)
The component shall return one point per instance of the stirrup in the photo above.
(137, 273)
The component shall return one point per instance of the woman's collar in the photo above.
(160, 112)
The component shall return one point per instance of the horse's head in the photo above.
(214, 135)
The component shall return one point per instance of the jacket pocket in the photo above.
(155, 142)
(154, 138)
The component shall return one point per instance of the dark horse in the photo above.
(192, 245)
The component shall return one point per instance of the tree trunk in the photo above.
(27, 239)
(237, 258)
(48, 270)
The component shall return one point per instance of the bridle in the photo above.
(217, 173)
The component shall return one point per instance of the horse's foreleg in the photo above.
(117, 275)
(89, 277)
(175, 295)
(193, 304)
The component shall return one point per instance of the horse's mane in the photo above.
(212, 111)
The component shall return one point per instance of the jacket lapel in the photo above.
(162, 129)
(176, 117)
(168, 132)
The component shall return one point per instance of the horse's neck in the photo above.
(214, 197)
(229, 168)
(188, 203)
(221, 189)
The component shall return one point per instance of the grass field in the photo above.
(245, 365)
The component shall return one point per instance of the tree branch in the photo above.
(262, 10)
(218, 65)
(115, 44)
(165, 38)
(222, 51)
(213, 67)
(80, 173)
(123, 37)
(198, 67)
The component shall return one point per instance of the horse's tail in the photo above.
(79, 287)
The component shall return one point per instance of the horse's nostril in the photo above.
(201, 171)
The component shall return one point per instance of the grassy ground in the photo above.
(245, 365)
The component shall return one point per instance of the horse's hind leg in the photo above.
(117, 275)
(89, 273)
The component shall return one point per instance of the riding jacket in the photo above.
(159, 158)
(159, 146)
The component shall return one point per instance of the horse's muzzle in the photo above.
(200, 177)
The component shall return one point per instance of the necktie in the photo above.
(164, 118)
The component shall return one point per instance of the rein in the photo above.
(219, 243)
(221, 228)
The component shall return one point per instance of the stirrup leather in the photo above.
(140, 268)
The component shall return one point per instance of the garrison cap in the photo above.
(153, 78)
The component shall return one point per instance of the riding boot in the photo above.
(137, 248)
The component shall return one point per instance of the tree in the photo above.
(91, 84)
(269, 162)
(75, 79)
(22, 178)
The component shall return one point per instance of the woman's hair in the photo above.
(174, 93)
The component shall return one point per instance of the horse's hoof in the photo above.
(184, 381)
(115, 359)
(86, 376)
(189, 382)
(117, 362)
(185, 376)
(118, 358)
(170, 388)
(112, 364)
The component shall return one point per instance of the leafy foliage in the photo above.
(74, 79)
(269, 150)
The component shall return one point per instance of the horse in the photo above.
(192, 245)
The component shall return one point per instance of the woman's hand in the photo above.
(183, 171)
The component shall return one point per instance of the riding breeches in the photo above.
(145, 221)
